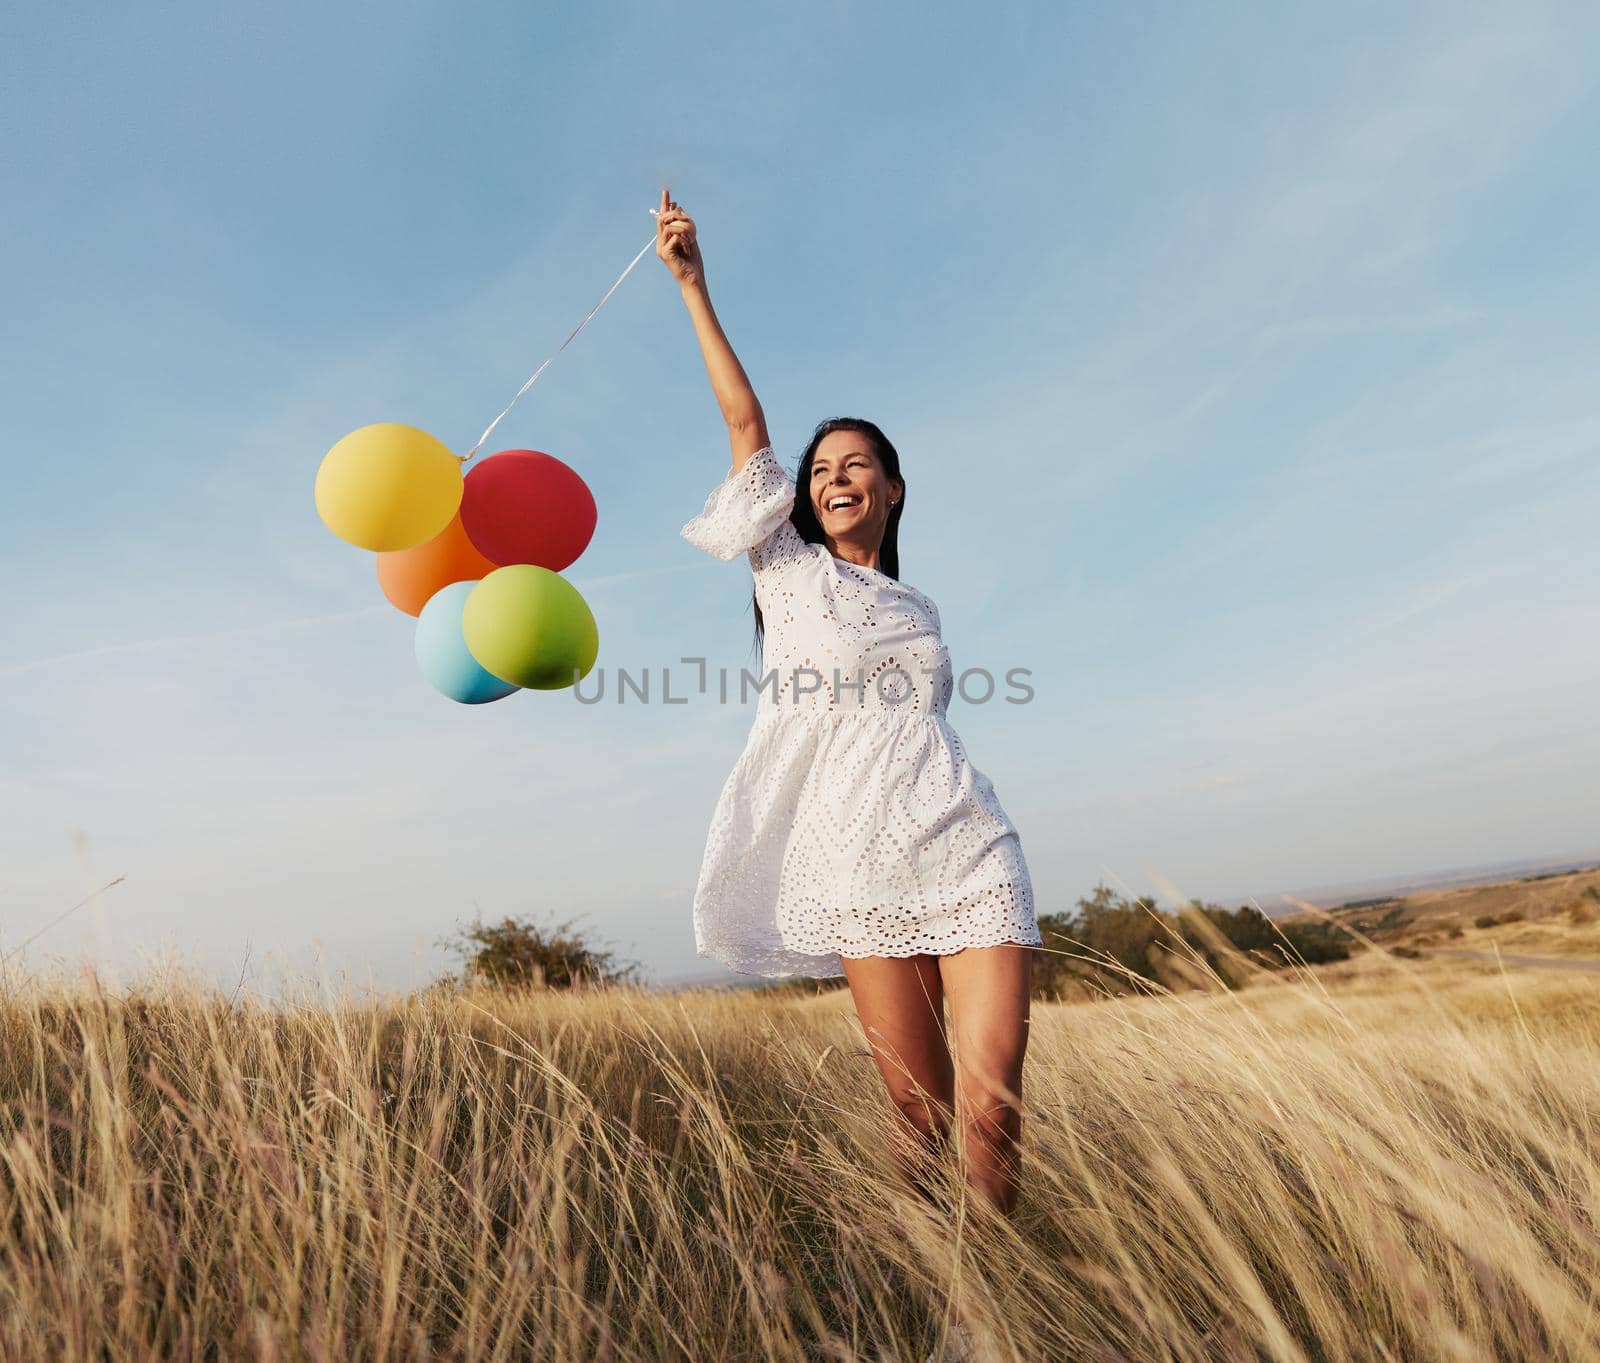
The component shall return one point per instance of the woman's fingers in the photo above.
(674, 232)
(676, 242)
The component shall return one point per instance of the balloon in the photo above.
(530, 626)
(524, 506)
(442, 652)
(410, 577)
(388, 486)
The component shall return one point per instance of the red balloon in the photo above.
(524, 506)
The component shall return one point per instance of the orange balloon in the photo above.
(409, 577)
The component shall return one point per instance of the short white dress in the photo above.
(853, 823)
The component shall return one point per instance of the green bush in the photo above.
(1485, 920)
(515, 954)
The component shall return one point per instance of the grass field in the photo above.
(1383, 1159)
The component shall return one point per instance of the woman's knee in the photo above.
(989, 1101)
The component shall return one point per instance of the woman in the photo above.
(853, 836)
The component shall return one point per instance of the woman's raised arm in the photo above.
(680, 252)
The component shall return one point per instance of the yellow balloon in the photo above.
(387, 486)
(530, 626)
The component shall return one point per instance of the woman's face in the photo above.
(850, 492)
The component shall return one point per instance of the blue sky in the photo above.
(1242, 363)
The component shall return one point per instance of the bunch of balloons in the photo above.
(477, 559)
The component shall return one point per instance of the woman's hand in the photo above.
(676, 244)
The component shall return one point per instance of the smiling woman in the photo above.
(853, 835)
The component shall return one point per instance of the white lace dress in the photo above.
(853, 823)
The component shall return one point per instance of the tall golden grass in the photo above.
(1402, 1166)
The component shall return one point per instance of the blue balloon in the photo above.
(442, 652)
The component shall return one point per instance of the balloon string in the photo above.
(581, 325)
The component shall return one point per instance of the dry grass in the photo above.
(1400, 1164)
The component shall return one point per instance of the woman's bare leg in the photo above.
(900, 1002)
(901, 1006)
(988, 989)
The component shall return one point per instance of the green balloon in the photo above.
(531, 627)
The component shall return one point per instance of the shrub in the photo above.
(805, 986)
(1456, 930)
(1581, 913)
(1485, 920)
(1513, 916)
(516, 954)
(1141, 938)
(1394, 917)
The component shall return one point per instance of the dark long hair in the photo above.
(804, 517)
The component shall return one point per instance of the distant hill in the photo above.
(1556, 908)
(1334, 896)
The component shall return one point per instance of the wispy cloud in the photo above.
(1423, 132)
(651, 574)
(267, 627)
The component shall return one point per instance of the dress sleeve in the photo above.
(748, 512)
